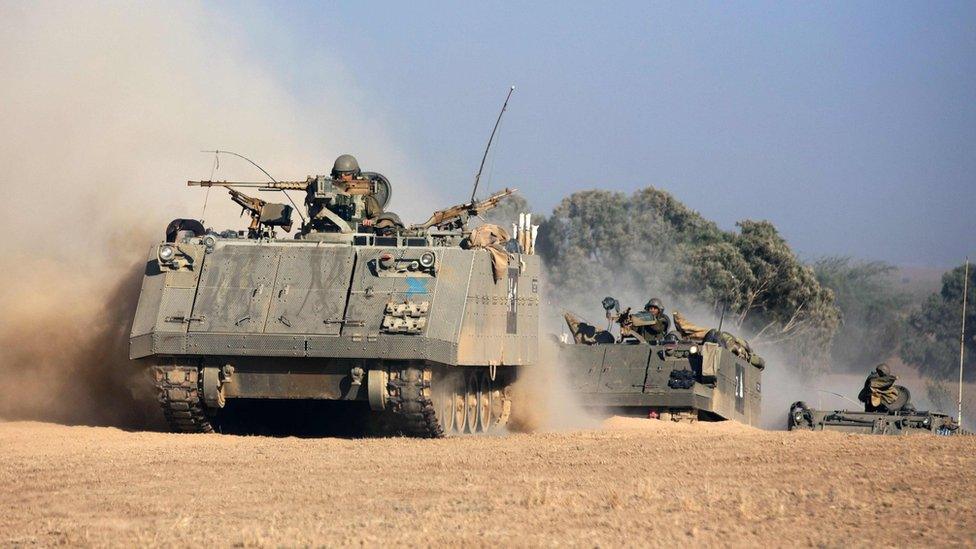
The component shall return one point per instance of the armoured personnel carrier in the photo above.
(673, 377)
(425, 325)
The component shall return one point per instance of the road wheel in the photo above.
(484, 404)
(471, 402)
(444, 404)
(459, 406)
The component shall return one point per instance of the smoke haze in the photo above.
(105, 108)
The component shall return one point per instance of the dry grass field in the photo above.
(633, 482)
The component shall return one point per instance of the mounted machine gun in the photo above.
(264, 215)
(456, 217)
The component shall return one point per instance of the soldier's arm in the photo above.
(665, 324)
(642, 319)
(373, 208)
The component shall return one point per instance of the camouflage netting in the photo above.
(492, 238)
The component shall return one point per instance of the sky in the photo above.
(850, 125)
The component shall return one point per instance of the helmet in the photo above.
(387, 224)
(654, 302)
(883, 370)
(345, 164)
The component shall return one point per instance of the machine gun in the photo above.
(623, 318)
(612, 308)
(264, 215)
(455, 217)
(326, 198)
(360, 186)
(265, 186)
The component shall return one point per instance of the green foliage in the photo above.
(597, 242)
(932, 339)
(595, 237)
(770, 292)
(873, 310)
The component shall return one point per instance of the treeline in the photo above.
(836, 313)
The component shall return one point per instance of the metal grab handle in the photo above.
(184, 319)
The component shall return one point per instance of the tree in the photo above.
(873, 311)
(769, 291)
(932, 334)
(595, 238)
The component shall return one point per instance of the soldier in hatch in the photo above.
(346, 170)
(879, 392)
(355, 201)
(651, 323)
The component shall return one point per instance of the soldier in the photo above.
(355, 202)
(880, 391)
(651, 323)
(346, 168)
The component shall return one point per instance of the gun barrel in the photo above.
(280, 185)
(501, 194)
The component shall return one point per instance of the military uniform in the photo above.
(879, 392)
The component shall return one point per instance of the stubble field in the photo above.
(633, 482)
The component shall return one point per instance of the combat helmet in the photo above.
(654, 302)
(345, 164)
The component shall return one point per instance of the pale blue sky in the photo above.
(850, 125)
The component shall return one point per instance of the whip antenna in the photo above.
(725, 307)
(962, 338)
(477, 178)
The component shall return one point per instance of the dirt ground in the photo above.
(634, 482)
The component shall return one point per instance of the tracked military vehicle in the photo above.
(673, 377)
(899, 422)
(425, 326)
(888, 410)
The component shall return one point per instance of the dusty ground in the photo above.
(638, 482)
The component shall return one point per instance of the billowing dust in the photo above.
(66, 349)
(105, 109)
(544, 400)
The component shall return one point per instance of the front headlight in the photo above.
(166, 253)
(427, 260)
(693, 349)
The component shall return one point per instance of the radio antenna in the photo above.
(962, 338)
(273, 180)
(477, 178)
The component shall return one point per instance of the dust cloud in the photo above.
(105, 107)
(545, 401)
(65, 352)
